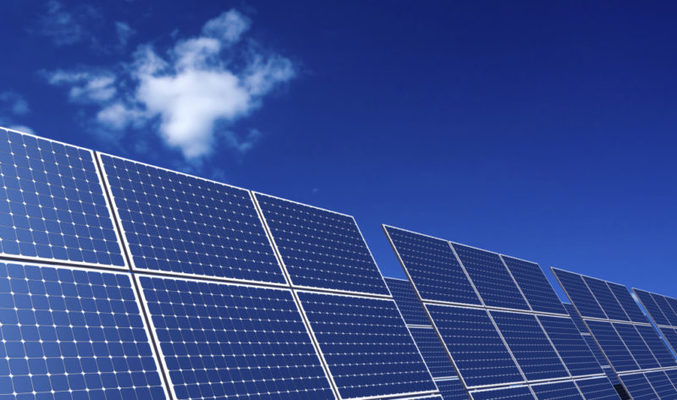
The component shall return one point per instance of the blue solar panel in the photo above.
(407, 301)
(452, 389)
(638, 387)
(52, 204)
(513, 393)
(612, 346)
(529, 345)
(366, 345)
(181, 224)
(639, 350)
(557, 391)
(627, 302)
(534, 285)
(606, 299)
(670, 336)
(657, 346)
(662, 385)
(321, 249)
(672, 375)
(579, 294)
(220, 341)
(475, 345)
(432, 266)
(651, 307)
(491, 278)
(665, 307)
(597, 389)
(570, 345)
(594, 347)
(434, 354)
(580, 325)
(73, 334)
(672, 302)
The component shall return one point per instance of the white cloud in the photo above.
(13, 106)
(124, 32)
(193, 91)
(63, 27)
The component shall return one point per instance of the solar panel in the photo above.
(613, 346)
(52, 205)
(490, 277)
(557, 391)
(597, 389)
(68, 333)
(661, 385)
(626, 301)
(657, 346)
(452, 389)
(433, 352)
(432, 266)
(638, 387)
(530, 346)
(606, 299)
(651, 307)
(672, 375)
(407, 301)
(635, 344)
(594, 347)
(663, 304)
(534, 285)
(223, 340)
(670, 336)
(366, 345)
(475, 345)
(571, 310)
(320, 248)
(579, 293)
(512, 393)
(570, 345)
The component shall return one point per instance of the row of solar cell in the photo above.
(589, 389)
(662, 309)
(651, 385)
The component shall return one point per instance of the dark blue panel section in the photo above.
(627, 302)
(475, 345)
(71, 334)
(638, 387)
(594, 347)
(434, 354)
(662, 385)
(665, 307)
(579, 294)
(670, 336)
(634, 342)
(232, 341)
(52, 204)
(407, 301)
(452, 390)
(612, 376)
(672, 375)
(529, 345)
(570, 345)
(366, 344)
(612, 346)
(433, 267)
(651, 307)
(580, 325)
(673, 304)
(514, 393)
(606, 299)
(491, 278)
(557, 391)
(321, 248)
(597, 389)
(177, 223)
(536, 288)
(657, 346)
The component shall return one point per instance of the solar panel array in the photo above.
(500, 322)
(663, 311)
(625, 337)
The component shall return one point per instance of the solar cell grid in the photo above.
(606, 299)
(613, 346)
(580, 325)
(629, 304)
(452, 389)
(638, 387)
(672, 375)
(661, 385)
(597, 389)
(490, 277)
(513, 393)
(52, 204)
(432, 266)
(557, 391)
(534, 285)
(594, 347)
(635, 344)
(570, 345)
(407, 301)
(665, 307)
(657, 346)
(73, 334)
(366, 345)
(670, 336)
(579, 293)
(320, 248)
(651, 307)
(433, 352)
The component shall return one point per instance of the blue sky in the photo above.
(544, 131)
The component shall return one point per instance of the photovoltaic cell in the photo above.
(638, 387)
(557, 391)
(627, 302)
(491, 278)
(367, 347)
(580, 325)
(670, 336)
(657, 346)
(52, 204)
(639, 350)
(672, 375)
(452, 389)
(663, 304)
(594, 347)
(475, 345)
(661, 385)
(613, 378)
(513, 393)
(534, 285)
(651, 307)
(433, 352)
(433, 267)
(182, 224)
(597, 389)
(529, 345)
(606, 299)
(221, 340)
(578, 292)
(73, 334)
(613, 346)
(321, 249)
(571, 346)
(407, 301)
